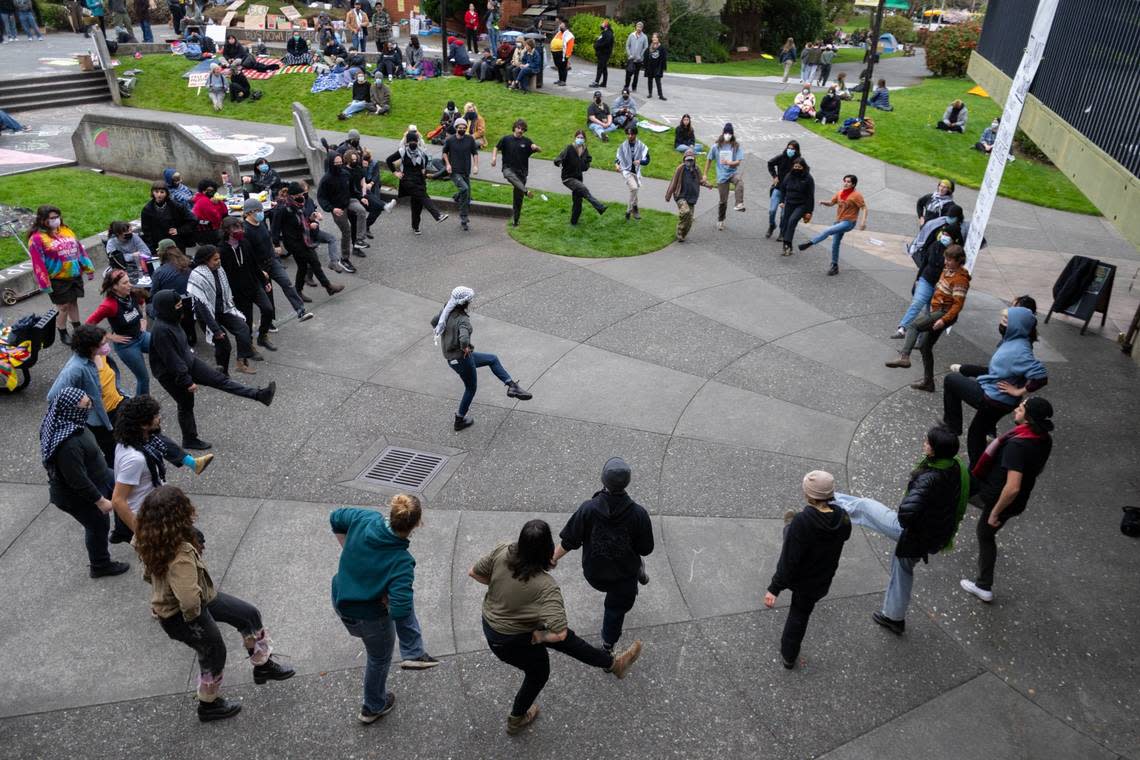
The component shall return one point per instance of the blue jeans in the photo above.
(410, 636)
(462, 196)
(919, 302)
(378, 636)
(356, 106)
(147, 34)
(466, 369)
(360, 42)
(132, 356)
(773, 205)
(524, 75)
(493, 36)
(7, 122)
(695, 147)
(839, 229)
(885, 521)
(9, 20)
(28, 22)
(599, 130)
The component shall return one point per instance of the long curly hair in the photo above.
(165, 522)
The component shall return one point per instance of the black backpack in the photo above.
(1130, 523)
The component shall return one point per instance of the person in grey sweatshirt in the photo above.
(635, 46)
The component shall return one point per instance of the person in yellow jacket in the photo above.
(561, 48)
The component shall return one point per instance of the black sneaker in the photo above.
(367, 716)
(220, 709)
(264, 343)
(789, 664)
(423, 662)
(197, 444)
(442, 219)
(417, 232)
(266, 394)
(804, 246)
(120, 537)
(771, 229)
(272, 671)
(347, 266)
(833, 270)
(305, 316)
(642, 576)
(514, 391)
(463, 422)
(109, 569)
(894, 626)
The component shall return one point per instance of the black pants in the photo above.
(533, 660)
(419, 200)
(518, 183)
(651, 80)
(96, 525)
(245, 303)
(233, 325)
(308, 262)
(620, 597)
(177, 13)
(788, 220)
(632, 71)
(950, 127)
(958, 388)
(580, 192)
(796, 626)
(602, 74)
(202, 374)
(473, 40)
(987, 548)
(560, 63)
(239, 92)
(202, 635)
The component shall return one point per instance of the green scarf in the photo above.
(963, 491)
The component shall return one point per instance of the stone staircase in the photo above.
(54, 91)
(290, 167)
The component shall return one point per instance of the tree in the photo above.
(765, 24)
(663, 22)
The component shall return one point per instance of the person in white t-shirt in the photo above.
(139, 455)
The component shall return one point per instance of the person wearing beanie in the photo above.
(1004, 477)
(452, 330)
(925, 523)
(813, 542)
(614, 533)
(685, 188)
(632, 154)
(728, 155)
(461, 157)
(258, 244)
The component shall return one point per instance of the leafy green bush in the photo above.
(53, 15)
(1029, 148)
(586, 29)
(691, 32)
(948, 49)
(901, 27)
(765, 24)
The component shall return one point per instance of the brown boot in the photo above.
(624, 661)
(244, 368)
(201, 463)
(516, 724)
(902, 361)
(332, 290)
(926, 385)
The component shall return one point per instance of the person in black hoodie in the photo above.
(163, 218)
(257, 245)
(603, 49)
(574, 160)
(180, 372)
(813, 541)
(779, 166)
(248, 280)
(614, 533)
(334, 195)
(299, 241)
(925, 523)
(797, 196)
(409, 164)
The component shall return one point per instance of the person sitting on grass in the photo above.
(954, 120)
(361, 97)
(333, 51)
(217, 86)
(457, 56)
(829, 107)
(685, 139)
(391, 63)
(989, 137)
(240, 88)
(805, 100)
(841, 86)
(297, 51)
(881, 97)
(380, 97)
(476, 124)
(599, 119)
(483, 68)
(413, 59)
(624, 110)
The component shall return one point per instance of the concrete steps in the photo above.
(54, 91)
(288, 168)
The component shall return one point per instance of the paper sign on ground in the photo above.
(228, 18)
(254, 22)
(289, 12)
(257, 10)
(216, 32)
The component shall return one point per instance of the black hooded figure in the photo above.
(180, 372)
(614, 533)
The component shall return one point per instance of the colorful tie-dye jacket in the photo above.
(58, 257)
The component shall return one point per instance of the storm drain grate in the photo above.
(404, 468)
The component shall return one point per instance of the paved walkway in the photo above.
(722, 372)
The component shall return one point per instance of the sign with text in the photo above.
(289, 12)
(254, 22)
(197, 79)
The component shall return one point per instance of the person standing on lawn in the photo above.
(813, 542)
(603, 49)
(59, 263)
(729, 156)
(945, 305)
(409, 164)
(575, 159)
(850, 204)
(1005, 475)
(632, 154)
(685, 187)
(516, 149)
(461, 157)
(523, 615)
(615, 535)
(452, 329)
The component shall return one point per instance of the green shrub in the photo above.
(1028, 148)
(901, 27)
(921, 35)
(691, 33)
(765, 24)
(53, 16)
(948, 49)
(586, 29)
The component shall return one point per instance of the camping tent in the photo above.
(888, 43)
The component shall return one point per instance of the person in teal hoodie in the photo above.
(1013, 373)
(372, 593)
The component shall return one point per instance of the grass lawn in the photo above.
(551, 119)
(907, 137)
(89, 201)
(761, 67)
(545, 225)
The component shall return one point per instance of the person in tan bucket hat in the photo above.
(813, 541)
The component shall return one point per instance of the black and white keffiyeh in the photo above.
(64, 419)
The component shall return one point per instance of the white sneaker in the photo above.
(390, 205)
(739, 206)
(955, 367)
(720, 226)
(971, 588)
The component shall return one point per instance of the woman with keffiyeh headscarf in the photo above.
(454, 327)
(78, 477)
(409, 164)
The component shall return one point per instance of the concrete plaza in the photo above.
(722, 372)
